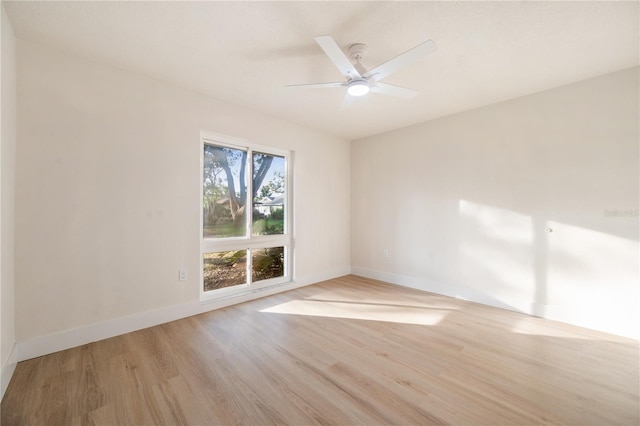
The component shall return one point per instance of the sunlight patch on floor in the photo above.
(360, 311)
(546, 328)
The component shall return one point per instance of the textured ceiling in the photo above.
(246, 52)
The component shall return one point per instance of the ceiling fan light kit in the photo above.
(358, 87)
(359, 81)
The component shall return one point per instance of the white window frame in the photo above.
(248, 242)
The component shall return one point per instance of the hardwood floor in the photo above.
(345, 351)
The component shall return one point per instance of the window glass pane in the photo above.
(268, 194)
(224, 192)
(267, 263)
(224, 269)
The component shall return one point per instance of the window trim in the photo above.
(249, 241)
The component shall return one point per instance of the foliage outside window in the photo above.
(245, 240)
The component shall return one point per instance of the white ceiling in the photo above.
(246, 52)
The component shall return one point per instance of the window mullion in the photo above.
(249, 212)
(249, 195)
(249, 266)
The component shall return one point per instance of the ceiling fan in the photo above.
(359, 81)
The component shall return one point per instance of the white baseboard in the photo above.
(66, 339)
(454, 291)
(322, 276)
(405, 281)
(8, 368)
(580, 316)
(611, 318)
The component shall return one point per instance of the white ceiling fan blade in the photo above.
(317, 85)
(401, 61)
(346, 102)
(337, 56)
(388, 89)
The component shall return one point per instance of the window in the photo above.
(245, 217)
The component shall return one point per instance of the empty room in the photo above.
(336, 213)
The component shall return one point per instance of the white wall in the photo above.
(461, 204)
(107, 208)
(108, 188)
(7, 191)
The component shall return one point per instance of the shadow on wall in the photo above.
(548, 268)
(460, 205)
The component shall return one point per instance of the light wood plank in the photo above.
(345, 351)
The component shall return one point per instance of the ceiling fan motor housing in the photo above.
(357, 52)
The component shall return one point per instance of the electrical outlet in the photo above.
(182, 275)
(385, 253)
